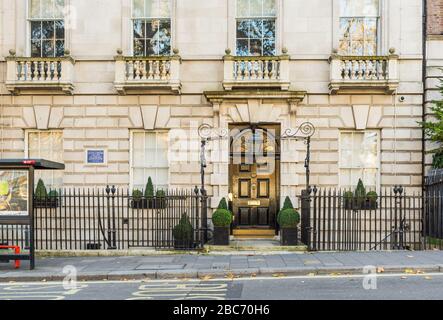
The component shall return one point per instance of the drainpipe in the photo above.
(424, 69)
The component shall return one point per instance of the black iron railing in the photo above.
(339, 222)
(89, 219)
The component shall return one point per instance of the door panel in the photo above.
(254, 180)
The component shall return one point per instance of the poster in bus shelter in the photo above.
(14, 190)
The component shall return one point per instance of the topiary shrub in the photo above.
(348, 199)
(287, 204)
(160, 193)
(40, 192)
(223, 204)
(288, 218)
(360, 195)
(222, 218)
(137, 195)
(53, 194)
(149, 191)
(372, 197)
(183, 233)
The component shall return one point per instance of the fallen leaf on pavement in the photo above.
(380, 270)
(311, 274)
(334, 274)
(253, 275)
(409, 271)
(428, 278)
(230, 276)
(410, 256)
(208, 277)
(278, 275)
(403, 278)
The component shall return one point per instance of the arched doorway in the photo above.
(254, 174)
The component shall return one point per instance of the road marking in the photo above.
(37, 291)
(188, 291)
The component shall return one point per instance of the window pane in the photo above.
(60, 29)
(256, 8)
(48, 145)
(35, 9)
(164, 9)
(269, 9)
(359, 8)
(48, 48)
(152, 29)
(152, 158)
(139, 48)
(269, 47)
(151, 8)
(359, 151)
(165, 38)
(256, 29)
(47, 9)
(36, 48)
(59, 48)
(269, 28)
(139, 29)
(256, 47)
(138, 8)
(36, 30)
(242, 47)
(243, 29)
(242, 8)
(59, 9)
(48, 30)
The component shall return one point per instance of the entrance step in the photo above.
(256, 246)
(254, 234)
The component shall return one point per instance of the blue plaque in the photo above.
(96, 156)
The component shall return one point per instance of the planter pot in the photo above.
(221, 236)
(183, 244)
(46, 203)
(139, 204)
(159, 203)
(289, 236)
(370, 205)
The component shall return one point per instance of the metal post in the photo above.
(32, 219)
(307, 162)
(114, 232)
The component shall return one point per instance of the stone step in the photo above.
(254, 233)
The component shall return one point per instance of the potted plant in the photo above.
(288, 220)
(222, 219)
(137, 200)
(348, 198)
(149, 194)
(160, 199)
(183, 233)
(43, 199)
(52, 200)
(371, 200)
(360, 195)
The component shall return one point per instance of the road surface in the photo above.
(383, 287)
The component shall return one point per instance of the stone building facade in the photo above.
(434, 62)
(122, 89)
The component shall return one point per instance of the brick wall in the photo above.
(435, 17)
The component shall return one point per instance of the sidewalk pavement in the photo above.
(206, 266)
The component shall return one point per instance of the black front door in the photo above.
(254, 173)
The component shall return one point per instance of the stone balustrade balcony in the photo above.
(369, 73)
(256, 72)
(147, 73)
(39, 74)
